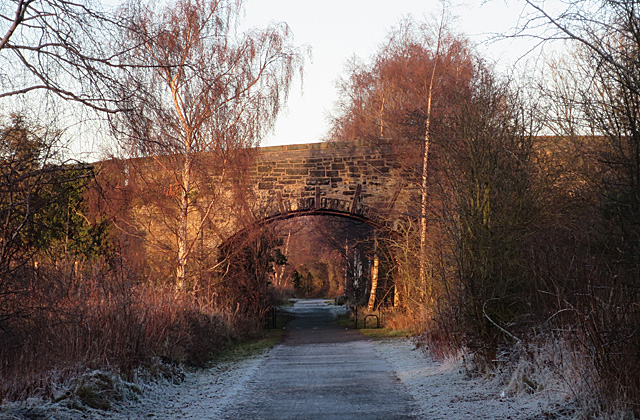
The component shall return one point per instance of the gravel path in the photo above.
(322, 371)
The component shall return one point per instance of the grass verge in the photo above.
(243, 350)
(374, 333)
(267, 340)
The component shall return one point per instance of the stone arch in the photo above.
(301, 213)
(364, 179)
(389, 284)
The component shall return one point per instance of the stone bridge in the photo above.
(356, 179)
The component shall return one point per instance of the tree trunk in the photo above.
(423, 210)
(425, 162)
(183, 229)
(374, 282)
(280, 270)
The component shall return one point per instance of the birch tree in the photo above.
(425, 155)
(196, 86)
(408, 93)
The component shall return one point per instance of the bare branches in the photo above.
(21, 11)
(58, 47)
(594, 99)
(194, 87)
(495, 324)
(593, 28)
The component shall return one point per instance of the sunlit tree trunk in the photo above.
(183, 231)
(374, 282)
(425, 164)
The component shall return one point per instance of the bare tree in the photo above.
(392, 90)
(604, 77)
(595, 95)
(425, 155)
(491, 201)
(196, 87)
(408, 93)
(58, 46)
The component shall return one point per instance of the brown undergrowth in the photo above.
(58, 322)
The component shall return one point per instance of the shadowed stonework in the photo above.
(354, 179)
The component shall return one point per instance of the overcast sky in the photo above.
(337, 29)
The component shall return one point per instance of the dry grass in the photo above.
(62, 321)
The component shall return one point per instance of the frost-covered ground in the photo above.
(201, 395)
(441, 390)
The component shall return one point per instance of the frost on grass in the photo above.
(101, 395)
(83, 396)
(538, 383)
(445, 390)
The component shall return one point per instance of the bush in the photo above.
(57, 322)
(208, 335)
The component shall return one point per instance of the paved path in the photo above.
(322, 371)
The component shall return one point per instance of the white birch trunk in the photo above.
(374, 283)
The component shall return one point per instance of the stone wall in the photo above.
(355, 177)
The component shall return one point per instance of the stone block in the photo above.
(318, 181)
(297, 171)
(298, 146)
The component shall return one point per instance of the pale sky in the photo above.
(337, 29)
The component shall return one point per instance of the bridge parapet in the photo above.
(355, 178)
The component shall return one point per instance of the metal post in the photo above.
(273, 317)
(356, 317)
